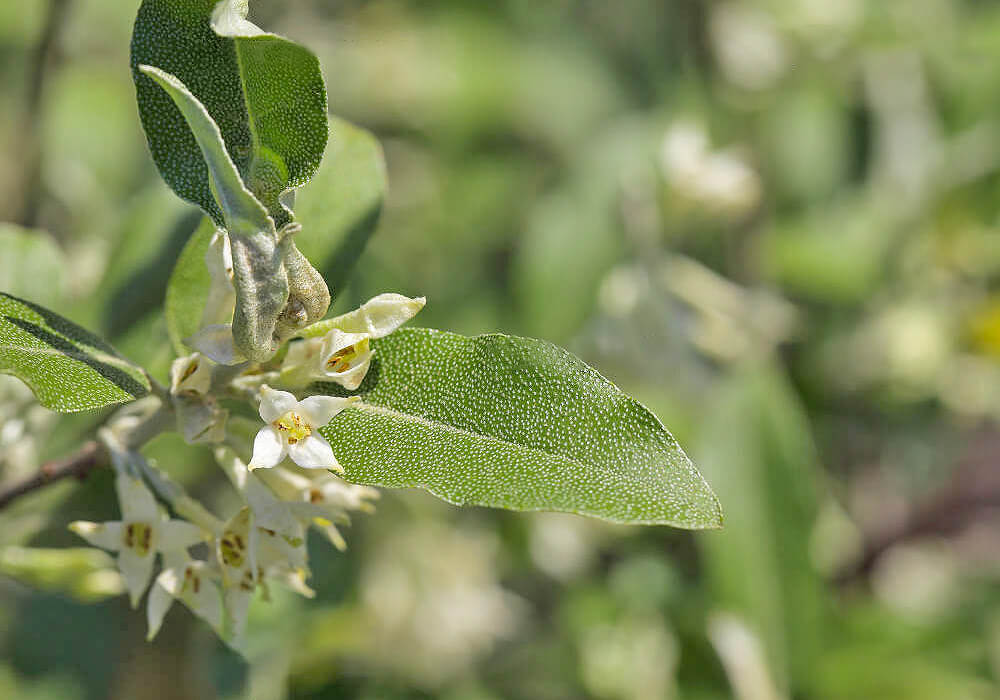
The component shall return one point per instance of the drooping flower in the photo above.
(191, 582)
(321, 500)
(292, 430)
(338, 350)
(286, 502)
(249, 555)
(200, 419)
(142, 532)
(190, 375)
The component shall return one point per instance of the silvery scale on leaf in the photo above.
(236, 121)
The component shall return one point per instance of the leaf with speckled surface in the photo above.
(514, 423)
(340, 207)
(241, 212)
(266, 94)
(68, 368)
(338, 211)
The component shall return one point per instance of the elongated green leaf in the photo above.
(757, 449)
(31, 264)
(67, 367)
(188, 288)
(514, 423)
(339, 209)
(241, 211)
(266, 94)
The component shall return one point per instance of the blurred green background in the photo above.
(776, 223)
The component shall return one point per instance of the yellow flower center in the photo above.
(233, 549)
(293, 427)
(139, 537)
(344, 359)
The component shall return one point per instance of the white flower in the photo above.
(191, 582)
(338, 350)
(291, 430)
(286, 503)
(190, 375)
(321, 500)
(248, 555)
(338, 357)
(139, 535)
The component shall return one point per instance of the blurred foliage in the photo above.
(776, 223)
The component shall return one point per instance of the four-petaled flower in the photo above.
(142, 532)
(343, 353)
(292, 430)
(191, 582)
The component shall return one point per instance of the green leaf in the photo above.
(338, 211)
(757, 449)
(266, 94)
(241, 212)
(514, 423)
(188, 288)
(67, 367)
(31, 264)
(340, 208)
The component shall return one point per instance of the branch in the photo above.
(89, 457)
(972, 491)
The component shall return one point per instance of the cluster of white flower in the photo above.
(265, 540)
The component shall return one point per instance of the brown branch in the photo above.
(79, 464)
(972, 491)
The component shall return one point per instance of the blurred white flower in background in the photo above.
(432, 601)
(747, 45)
(719, 181)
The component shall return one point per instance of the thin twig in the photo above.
(79, 464)
(91, 456)
(972, 492)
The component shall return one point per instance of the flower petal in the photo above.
(205, 602)
(269, 512)
(159, 602)
(274, 403)
(320, 410)
(314, 452)
(178, 535)
(137, 501)
(351, 379)
(108, 535)
(191, 374)
(380, 315)
(300, 352)
(136, 570)
(336, 340)
(268, 449)
(216, 343)
(237, 602)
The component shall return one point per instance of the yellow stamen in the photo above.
(139, 537)
(345, 358)
(232, 549)
(293, 426)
